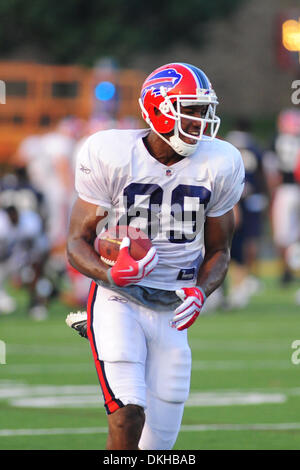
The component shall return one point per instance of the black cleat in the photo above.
(78, 321)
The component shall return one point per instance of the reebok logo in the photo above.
(118, 299)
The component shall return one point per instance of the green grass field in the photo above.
(245, 390)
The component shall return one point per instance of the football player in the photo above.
(286, 201)
(253, 203)
(178, 182)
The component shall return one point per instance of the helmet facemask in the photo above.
(172, 108)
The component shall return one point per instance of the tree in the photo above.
(80, 31)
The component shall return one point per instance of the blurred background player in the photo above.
(48, 162)
(24, 245)
(57, 150)
(249, 217)
(285, 211)
(48, 159)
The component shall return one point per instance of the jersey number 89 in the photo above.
(177, 216)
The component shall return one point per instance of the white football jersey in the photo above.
(114, 170)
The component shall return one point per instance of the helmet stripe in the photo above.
(201, 77)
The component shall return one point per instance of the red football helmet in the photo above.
(169, 89)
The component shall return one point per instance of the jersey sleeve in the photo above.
(90, 175)
(229, 189)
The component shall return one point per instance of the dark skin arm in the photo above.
(84, 222)
(218, 232)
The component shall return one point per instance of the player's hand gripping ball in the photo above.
(130, 253)
(186, 314)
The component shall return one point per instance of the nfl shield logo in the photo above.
(168, 172)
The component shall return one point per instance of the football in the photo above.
(107, 244)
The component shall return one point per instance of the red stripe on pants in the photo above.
(111, 404)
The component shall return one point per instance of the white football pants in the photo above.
(140, 360)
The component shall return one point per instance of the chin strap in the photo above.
(181, 147)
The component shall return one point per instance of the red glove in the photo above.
(127, 270)
(193, 299)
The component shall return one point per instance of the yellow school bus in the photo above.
(36, 96)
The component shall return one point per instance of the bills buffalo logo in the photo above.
(168, 78)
